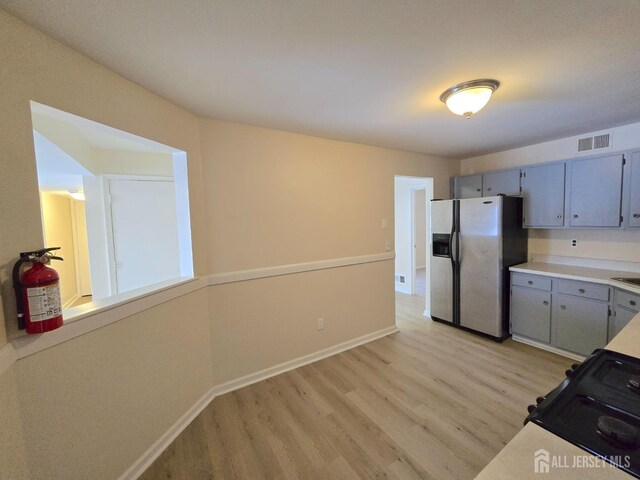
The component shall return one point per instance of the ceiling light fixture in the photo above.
(469, 97)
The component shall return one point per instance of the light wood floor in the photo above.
(429, 402)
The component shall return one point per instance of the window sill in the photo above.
(99, 313)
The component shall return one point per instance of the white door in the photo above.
(145, 232)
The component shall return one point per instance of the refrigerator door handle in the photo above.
(451, 254)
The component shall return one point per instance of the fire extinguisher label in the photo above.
(44, 302)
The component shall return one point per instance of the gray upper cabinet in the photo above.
(468, 186)
(595, 192)
(543, 192)
(581, 325)
(634, 191)
(506, 182)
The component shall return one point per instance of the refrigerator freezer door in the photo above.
(441, 267)
(481, 265)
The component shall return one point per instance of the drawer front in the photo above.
(583, 289)
(533, 281)
(628, 300)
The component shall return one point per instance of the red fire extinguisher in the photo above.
(37, 290)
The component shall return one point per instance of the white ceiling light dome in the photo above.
(469, 97)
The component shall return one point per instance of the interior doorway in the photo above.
(412, 211)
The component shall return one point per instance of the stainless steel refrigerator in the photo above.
(474, 242)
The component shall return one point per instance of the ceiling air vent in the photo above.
(596, 142)
(601, 141)
(585, 144)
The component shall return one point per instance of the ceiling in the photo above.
(371, 71)
(57, 170)
(95, 134)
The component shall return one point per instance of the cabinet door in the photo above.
(543, 192)
(469, 186)
(501, 183)
(634, 191)
(581, 325)
(596, 192)
(531, 313)
(620, 318)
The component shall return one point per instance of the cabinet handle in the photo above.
(489, 189)
(575, 216)
(581, 290)
(563, 307)
(636, 215)
(478, 189)
(558, 216)
(546, 302)
(530, 282)
(632, 302)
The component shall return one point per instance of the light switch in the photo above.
(384, 223)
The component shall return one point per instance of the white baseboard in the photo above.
(300, 361)
(426, 313)
(159, 446)
(138, 468)
(548, 348)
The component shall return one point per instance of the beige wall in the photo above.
(77, 401)
(91, 406)
(607, 244)
(13, 452)
(47, 72)
(276, 197)
(58, 232)
(262, 323)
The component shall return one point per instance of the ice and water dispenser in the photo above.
(441, 245)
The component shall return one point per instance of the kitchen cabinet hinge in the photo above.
(624, 160)
(609, 309)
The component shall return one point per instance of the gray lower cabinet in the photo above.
(627, 306)
(543, 193)
(621, 316)
(634, 191)
(467, 186)
(567, 314)
(505, 182)
(531, 313)
(581, 324)
(595, 194)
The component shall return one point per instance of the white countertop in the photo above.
(516, 460)
(586, 274)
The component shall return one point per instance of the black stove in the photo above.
(597, 408)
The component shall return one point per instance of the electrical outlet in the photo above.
(321, 324)
(387, 245)
(574, 243)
